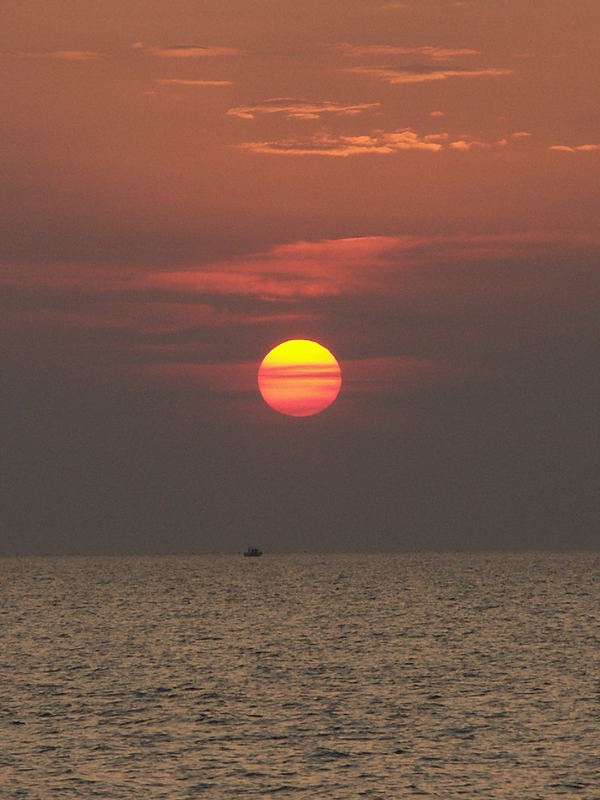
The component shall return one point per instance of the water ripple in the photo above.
(439, 676)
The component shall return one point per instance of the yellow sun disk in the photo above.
(299, 378)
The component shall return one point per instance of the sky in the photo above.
(188, 183)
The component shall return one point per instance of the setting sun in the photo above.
(299, 378)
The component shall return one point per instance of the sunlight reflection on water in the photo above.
(337, 676)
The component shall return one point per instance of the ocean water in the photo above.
(301, 676)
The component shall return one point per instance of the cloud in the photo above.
(392, 376)
(402, 76)
(581, 148)
(298, 280)
(185, 50)
(376, 142)
(429, 297)
(436, 114)
(476, 351)
(327, 144)
(65, 55)
(292, 270)
(284, 273)
(435, 52)
(521, 134)
(190, 82)
(462, 144)
(473, 144)
(300, 109)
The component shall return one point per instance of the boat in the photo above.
(253, 552)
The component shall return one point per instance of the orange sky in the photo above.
(415, 184)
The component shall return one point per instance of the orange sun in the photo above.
(299, 377)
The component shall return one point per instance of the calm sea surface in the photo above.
(338, 676)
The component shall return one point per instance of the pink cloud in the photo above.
(158, 315)
(297, 269)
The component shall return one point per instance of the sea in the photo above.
(303, 676)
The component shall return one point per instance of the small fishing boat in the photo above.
(252, 552)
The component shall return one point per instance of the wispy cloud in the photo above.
(376, 142)
(185, 50)
(300, 109)
(288, 271)
(62, 55)
(462, 144)
(402, 76)
(520, 134)
(435, 52)
(132, 316)
(326, 144)
(284, 272)
(190, 82)
(580, 148)
(474, 144)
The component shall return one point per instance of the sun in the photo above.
(299, 378)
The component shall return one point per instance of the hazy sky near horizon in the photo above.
(415, 185)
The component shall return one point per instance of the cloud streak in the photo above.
(62, 55)
(297, 281)
(326, 144)
(445, 306)
(376, 142)
(580, 148)
(300, 109)
(184, 50)
(191, 82)
(474, 144)
(406, 76)
(435, 52)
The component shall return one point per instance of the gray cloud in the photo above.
(477, 351)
